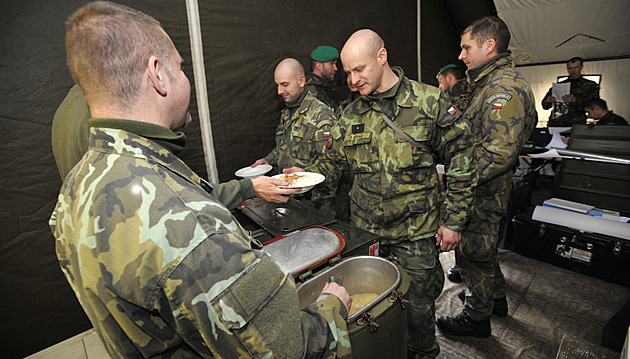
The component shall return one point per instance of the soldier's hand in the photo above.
(447, 239)
(267, 189)
(551, 99)
(340, 292)
(292, 170)
(261, 161)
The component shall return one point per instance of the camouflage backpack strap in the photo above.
(403, 134)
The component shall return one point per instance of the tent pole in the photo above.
(196, 49)
(419, 42)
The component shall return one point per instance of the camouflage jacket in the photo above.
(458, 94)
(395, 192)
(567, 114)
(162, 269)
(503, 113)
(321, 89)
(302, 139)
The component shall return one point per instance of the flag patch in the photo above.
(497, 106)
(326, 134)
(452, 110)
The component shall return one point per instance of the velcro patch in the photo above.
(498, 95)
(497, 106)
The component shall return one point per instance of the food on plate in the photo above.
(360, 300)
(298, 180)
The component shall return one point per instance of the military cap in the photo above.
(324, 54)
(444, 68)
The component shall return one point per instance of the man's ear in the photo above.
(381, 56)
(490, 45)
(157, 74)
(301, 81)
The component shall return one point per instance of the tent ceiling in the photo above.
(555, 30)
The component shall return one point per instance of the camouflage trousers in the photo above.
(421, 260)
(476, 256)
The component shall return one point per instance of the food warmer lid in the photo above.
(304, 248)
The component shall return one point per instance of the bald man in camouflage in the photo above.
(396, 193)
(502, 110)
(303, 133)
(160, 266)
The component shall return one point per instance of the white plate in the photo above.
(253, 172)
(316, 179)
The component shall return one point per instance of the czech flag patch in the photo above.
(452, 110)
(326, 134)
(497, 106)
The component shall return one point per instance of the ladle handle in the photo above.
(332, 278)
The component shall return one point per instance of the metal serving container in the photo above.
(379, 329)
(362, 274)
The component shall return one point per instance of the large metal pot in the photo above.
(378, 330)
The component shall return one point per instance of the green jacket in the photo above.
(302, 139)
(569, 114)
(321, 89)
(503, 113)
(162, 269)
(458, 94)
(70, 131)
(395, 192)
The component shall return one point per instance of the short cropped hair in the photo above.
(455, 71)
(597, 102)
(490, 27)
(108, 46)
(576, 59)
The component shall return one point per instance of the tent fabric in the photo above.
(557, 30)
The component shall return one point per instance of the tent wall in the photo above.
(614, 86)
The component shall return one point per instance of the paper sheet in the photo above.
(558, 90)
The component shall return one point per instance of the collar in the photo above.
(174, 142)
(397, 93)
(297, 101)
(477, 73)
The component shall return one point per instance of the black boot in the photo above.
(500, 308)
(462, 324)
(453, 274)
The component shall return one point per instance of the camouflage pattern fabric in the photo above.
(395, 192)
(421, 261)
(502, 111)
(321, 89)
(566, 114)
(458, 94)
(302, 139)
(163, 270)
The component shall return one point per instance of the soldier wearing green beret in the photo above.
(503, 114)
(320, 81)
(395, 192)
(160, 266)
(454, 85)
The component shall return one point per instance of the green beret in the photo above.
(324, 54)
(446, 67)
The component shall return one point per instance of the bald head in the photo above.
(289, 76)
(291, 67)
(364, 59)
(365, 41)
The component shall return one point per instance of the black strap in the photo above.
(403, 134)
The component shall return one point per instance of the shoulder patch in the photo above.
(498, 95)
(323, 123)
